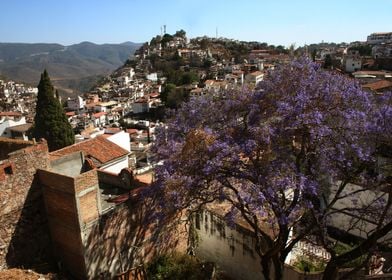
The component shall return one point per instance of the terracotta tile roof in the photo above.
(100, 114)
(10, 114)
(98, 148)
(256, 73)
(70, 114)
(379, 85)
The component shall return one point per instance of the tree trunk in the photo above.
(265, 264)
(272, 268)
(278, 268)
(331, 271)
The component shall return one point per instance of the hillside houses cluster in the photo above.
(98, 180)
(373, 54)
(17, 97)
(126, 99)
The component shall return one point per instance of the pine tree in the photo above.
(50, 121)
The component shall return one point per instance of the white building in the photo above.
(121, 139)
(352, 62)
(76, 103)
(255, 77)
(380, 37)
(152, 77)
(140, 106)
(10, 119)
(100, 152)
(382, 51)
(105, 106)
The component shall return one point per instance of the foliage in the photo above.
(270, 155)
(50, 121)
(166, 39)
(180, 77)
(155, 40)
(168, 90)
(327, 61)
(180, 33)
(307, 265)
(341, 248)
(176, 98)
(364, 50)
(175, 267)
(314, 53)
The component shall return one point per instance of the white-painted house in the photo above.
(76, 103)
(352, 61)
(10, 119)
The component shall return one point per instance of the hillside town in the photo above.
(92, 225)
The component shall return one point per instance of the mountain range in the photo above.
(73, 69)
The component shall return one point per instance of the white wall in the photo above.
(364, 222)
(116, 166)
(352, 64)
(6, 123)
(121, 139)
(231, 249)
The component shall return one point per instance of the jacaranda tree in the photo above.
(269, 155)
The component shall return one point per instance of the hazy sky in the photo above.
(115, 21)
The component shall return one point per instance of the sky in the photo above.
(278, 22)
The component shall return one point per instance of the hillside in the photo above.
(72, 68)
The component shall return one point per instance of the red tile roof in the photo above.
(97, 148)
(379, 85)
(10, 114)
(70, 114)
(100, 114)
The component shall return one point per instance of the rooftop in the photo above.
(21, 128)
(379, 85)
(99, 148)
(10, 114)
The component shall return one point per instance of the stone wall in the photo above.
(24, 236)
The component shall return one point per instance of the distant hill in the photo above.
(73, 68)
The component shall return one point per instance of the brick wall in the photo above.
(62, 210)
(23, 233)
(124, 238)
(72, 203)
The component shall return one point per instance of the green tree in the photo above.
(314, 54)
(188, 78)
(50, 121)
(169, 89)
(180, 33)
(327, 61)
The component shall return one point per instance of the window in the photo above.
(8, 170)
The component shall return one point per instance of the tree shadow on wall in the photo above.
(125, 239)
(30, 245)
